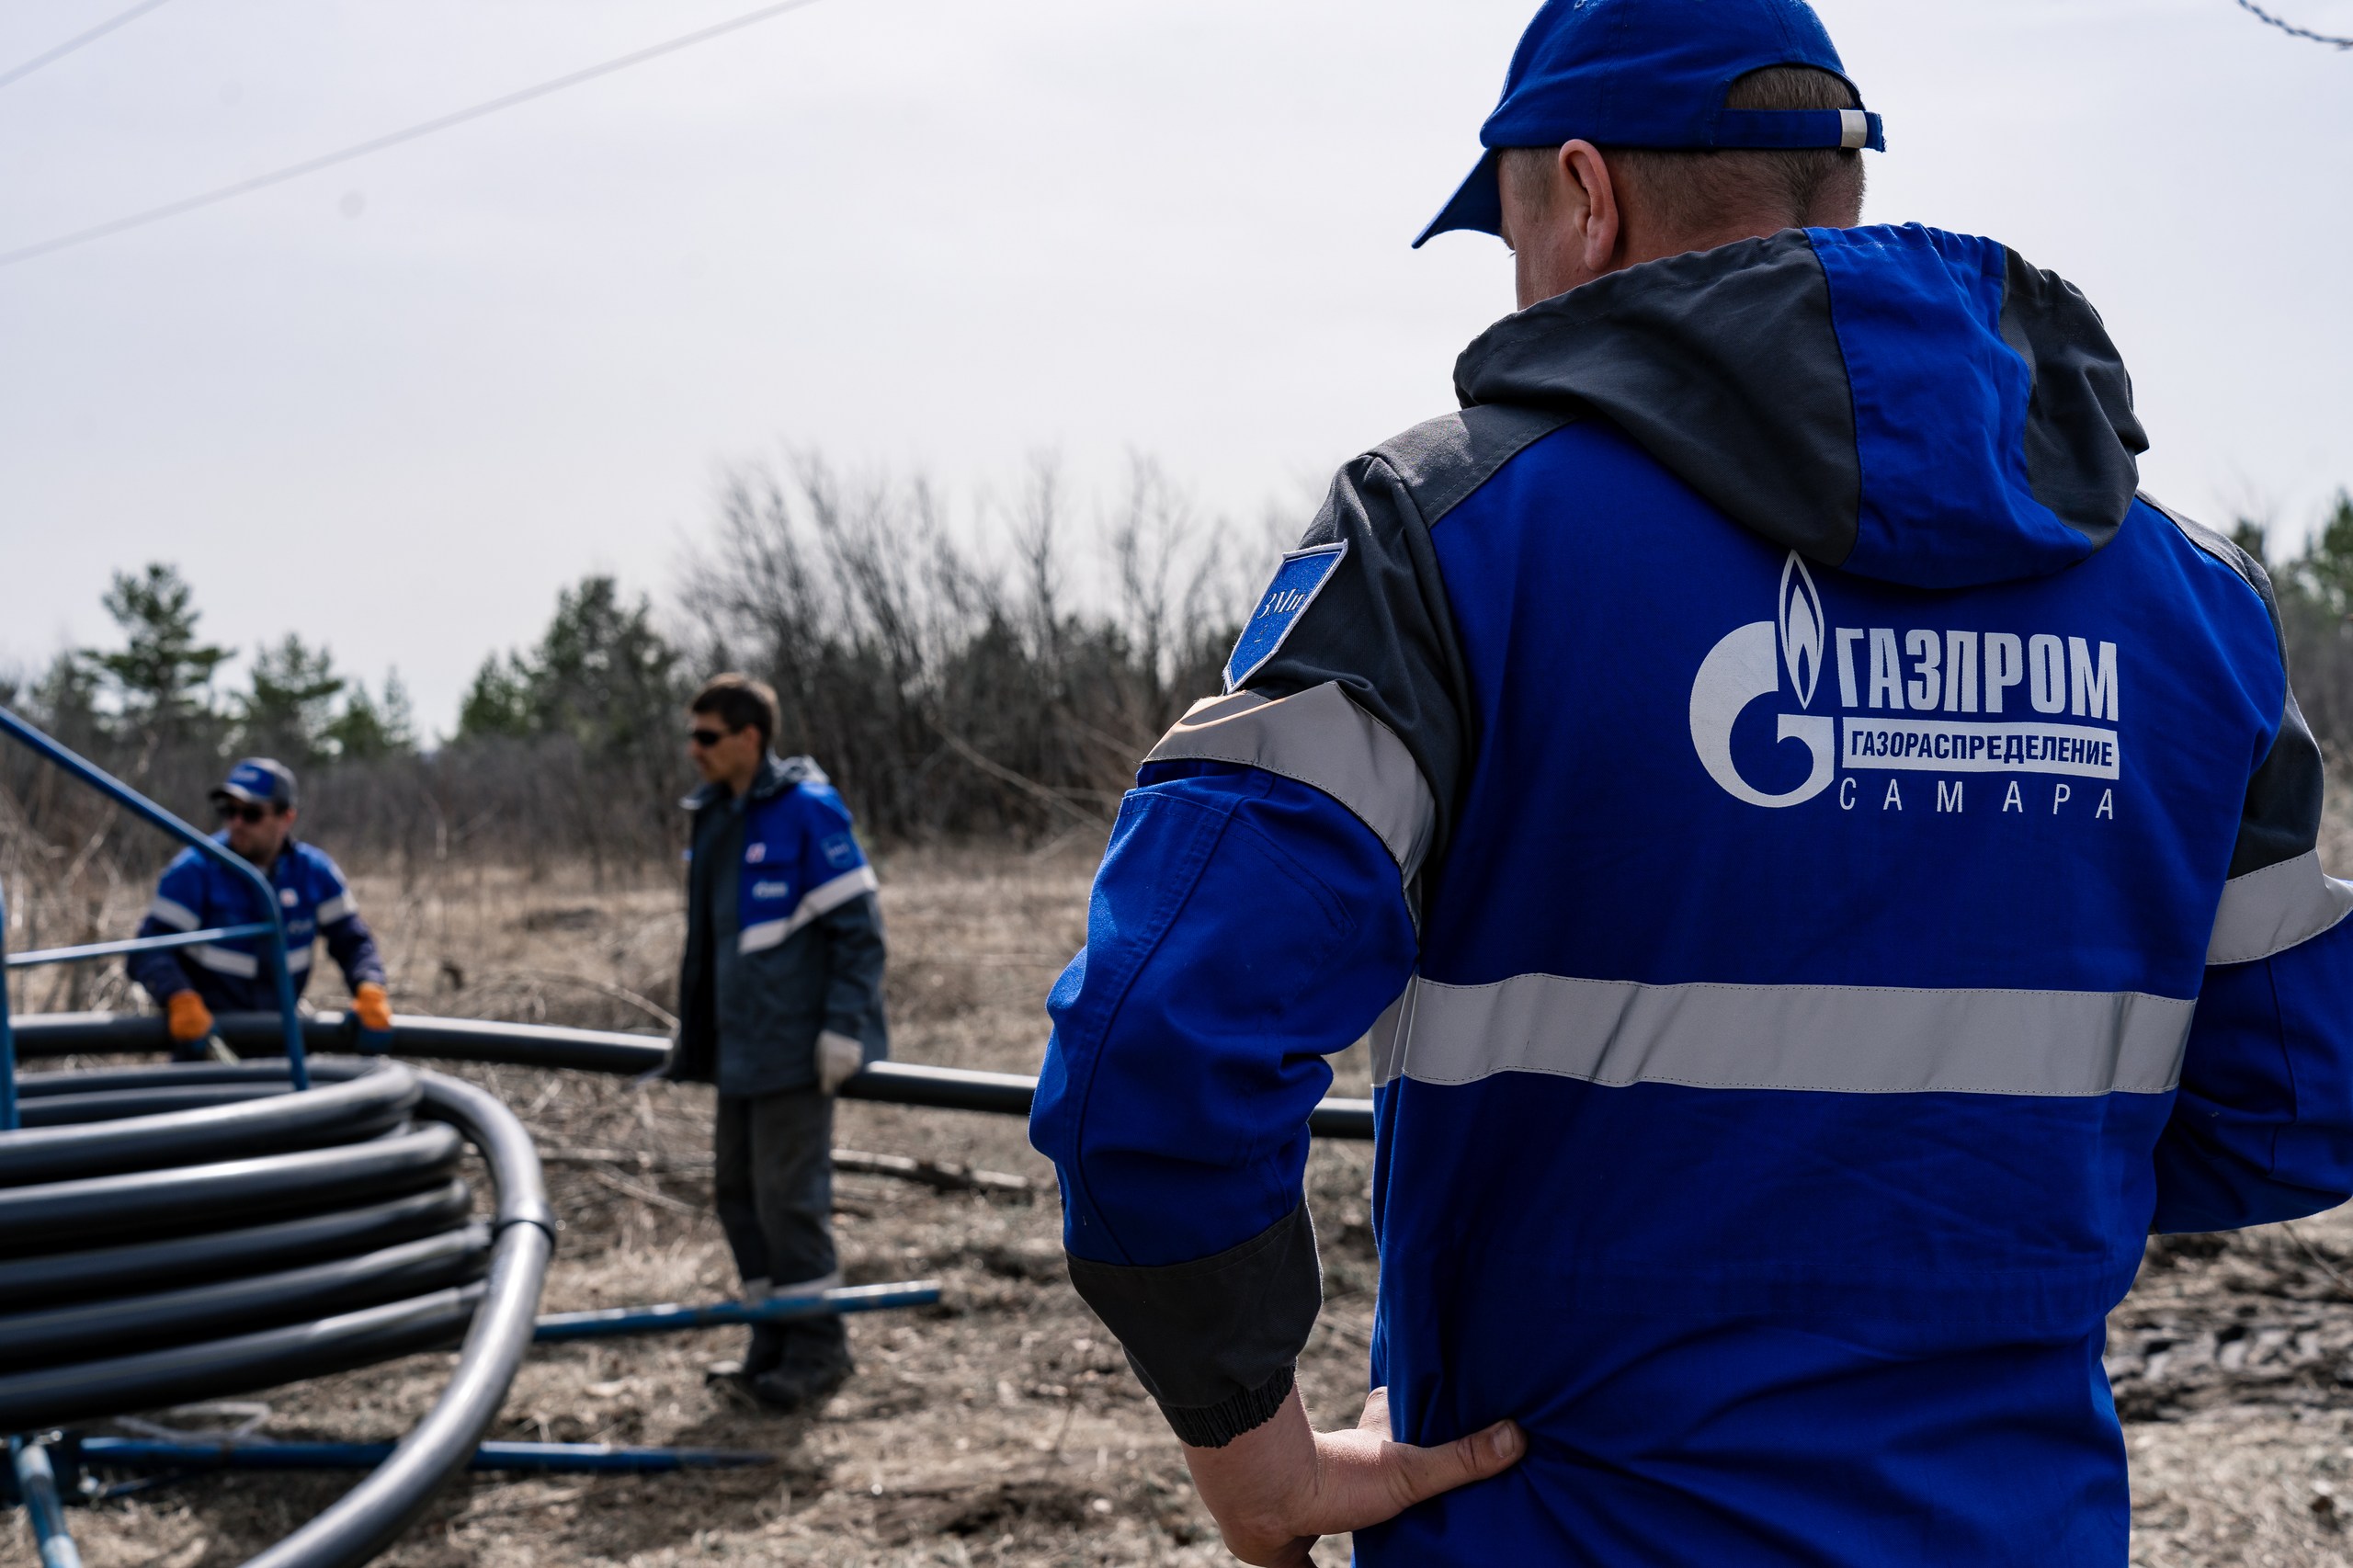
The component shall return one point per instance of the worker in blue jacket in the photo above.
(1825, 868)
(779, 1003)
(258, 805)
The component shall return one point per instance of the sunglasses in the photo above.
(240, 811)
(706, 739)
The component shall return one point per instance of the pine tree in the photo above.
(162, 676)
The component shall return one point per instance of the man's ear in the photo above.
(1597, 221)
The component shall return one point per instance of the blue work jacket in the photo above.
(1824, 867)
(198, 893)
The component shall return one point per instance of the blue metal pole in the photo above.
(37, 1484)
(83, 954)
(155, 816)
(614, 1322)
(8, 1031)
(139, 1453)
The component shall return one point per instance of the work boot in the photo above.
(813, 1367)
(763, 1353)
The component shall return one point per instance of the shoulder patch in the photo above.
(1300, 578)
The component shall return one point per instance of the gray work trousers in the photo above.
(774, 1189)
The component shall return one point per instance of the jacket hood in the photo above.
(778, 774)
(1912, 406)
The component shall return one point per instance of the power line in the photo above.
(71, 44)
(378, 143)
(2291, 29)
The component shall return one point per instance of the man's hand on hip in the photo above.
(1275, 1490)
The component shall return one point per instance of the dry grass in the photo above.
(1003, 1427)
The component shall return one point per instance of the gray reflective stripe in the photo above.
(174, 913)
(817, 1287)
(1840, 1039)
(1320, 738)
(298, 960)
(221, 960)
(340, 907)
(823, 899)
(2267, 912)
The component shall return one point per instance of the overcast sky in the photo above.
(393, 406)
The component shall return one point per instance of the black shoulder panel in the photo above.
(2081, 433)
(2281, 818)
(1381, 628)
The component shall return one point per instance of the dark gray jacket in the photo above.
(784, 934)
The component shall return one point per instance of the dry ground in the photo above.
(1003, 1427)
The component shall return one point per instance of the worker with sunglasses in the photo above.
(258, 808)
(779, 1005)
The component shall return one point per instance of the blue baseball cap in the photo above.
(259, 781)
(1652, 73)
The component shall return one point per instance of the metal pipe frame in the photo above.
(89, 951)
(37, 1484)
(274, 952)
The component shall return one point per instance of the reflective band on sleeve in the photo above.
(2267, 912)
(340, 907)
(1837, 1040)
(1321, 739)
(823, 899)
(221, 960)
(298, 960)
(174, 913)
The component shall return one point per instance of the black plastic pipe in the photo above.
(586, 1051)
(365, 1519)
(146, 1202)
(43, 1279)
(84, 1391)
(359, 1108)
(162, 1318)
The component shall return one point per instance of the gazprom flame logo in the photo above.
(1747, 665)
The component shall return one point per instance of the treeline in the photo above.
(1000, 681)
(997, 680)
(2314, 590)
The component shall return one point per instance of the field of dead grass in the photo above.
(1003, 1427)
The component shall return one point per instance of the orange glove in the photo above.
(190, 1020)
(371, 1008)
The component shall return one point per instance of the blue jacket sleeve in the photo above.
(349, 941)
(179, 905)
(2263, 1128)
(1242, 927)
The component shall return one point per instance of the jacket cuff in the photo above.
(1214, 1425)
(1214, 1341)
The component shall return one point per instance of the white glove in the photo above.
(838, 1060)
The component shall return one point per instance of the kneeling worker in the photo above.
(257, 810)
(780, 1001)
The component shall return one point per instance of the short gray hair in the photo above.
(1691, 190)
